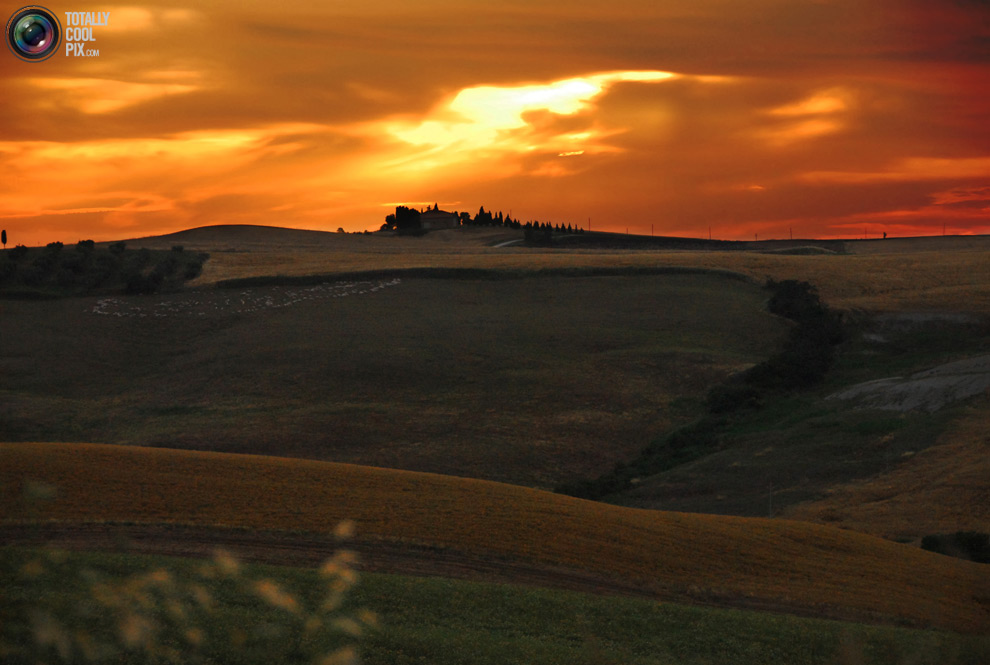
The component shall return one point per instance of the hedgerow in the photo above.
(54, 271)
(803, 361)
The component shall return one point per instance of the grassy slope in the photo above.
(791, 564)
(939, 490)
(531, 381)
(797, 449)
(807, 450)
(883, 282)
(446, 622)
(899, 475)
(951, 273)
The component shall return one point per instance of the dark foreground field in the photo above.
(532, 380)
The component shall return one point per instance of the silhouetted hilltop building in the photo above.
(410, 219)
(435, 218)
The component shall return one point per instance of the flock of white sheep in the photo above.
(206, 303)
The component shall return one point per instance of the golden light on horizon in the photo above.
(484, 116)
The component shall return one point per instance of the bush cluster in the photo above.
(805, 358)
(54, 271)
(803, 361)
(972, 545)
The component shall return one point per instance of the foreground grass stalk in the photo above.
(215, 612)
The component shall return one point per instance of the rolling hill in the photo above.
(897, 274)
(770, 564)
(532, 380)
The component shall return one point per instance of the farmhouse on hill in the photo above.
(434, 218)
(406, 219)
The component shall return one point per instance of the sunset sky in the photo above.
(819, 118)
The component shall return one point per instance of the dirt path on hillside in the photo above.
(306, 549)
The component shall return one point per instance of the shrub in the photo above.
(192, 270)
(61, 273)
(680, 446)
(141, 257)
(728, 397)
(45, 261)
(7, 269)
(65, 277)
(74, 262)
(595, 489)
(793, 299)
(167, 266)
(808, 352)
(972, 545)
(139, 283)
(32, 275)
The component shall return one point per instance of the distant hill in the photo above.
(254, 236)
(244, 237)
(237, 235)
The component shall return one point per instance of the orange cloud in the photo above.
(487, 118)
(912, 169)
(96, 96)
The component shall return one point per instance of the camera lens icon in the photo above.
(33, 33)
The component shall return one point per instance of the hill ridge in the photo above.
(211, 231)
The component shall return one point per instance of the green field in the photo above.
(420, 620)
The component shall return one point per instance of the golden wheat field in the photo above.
(674, 555)
(950, 273)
